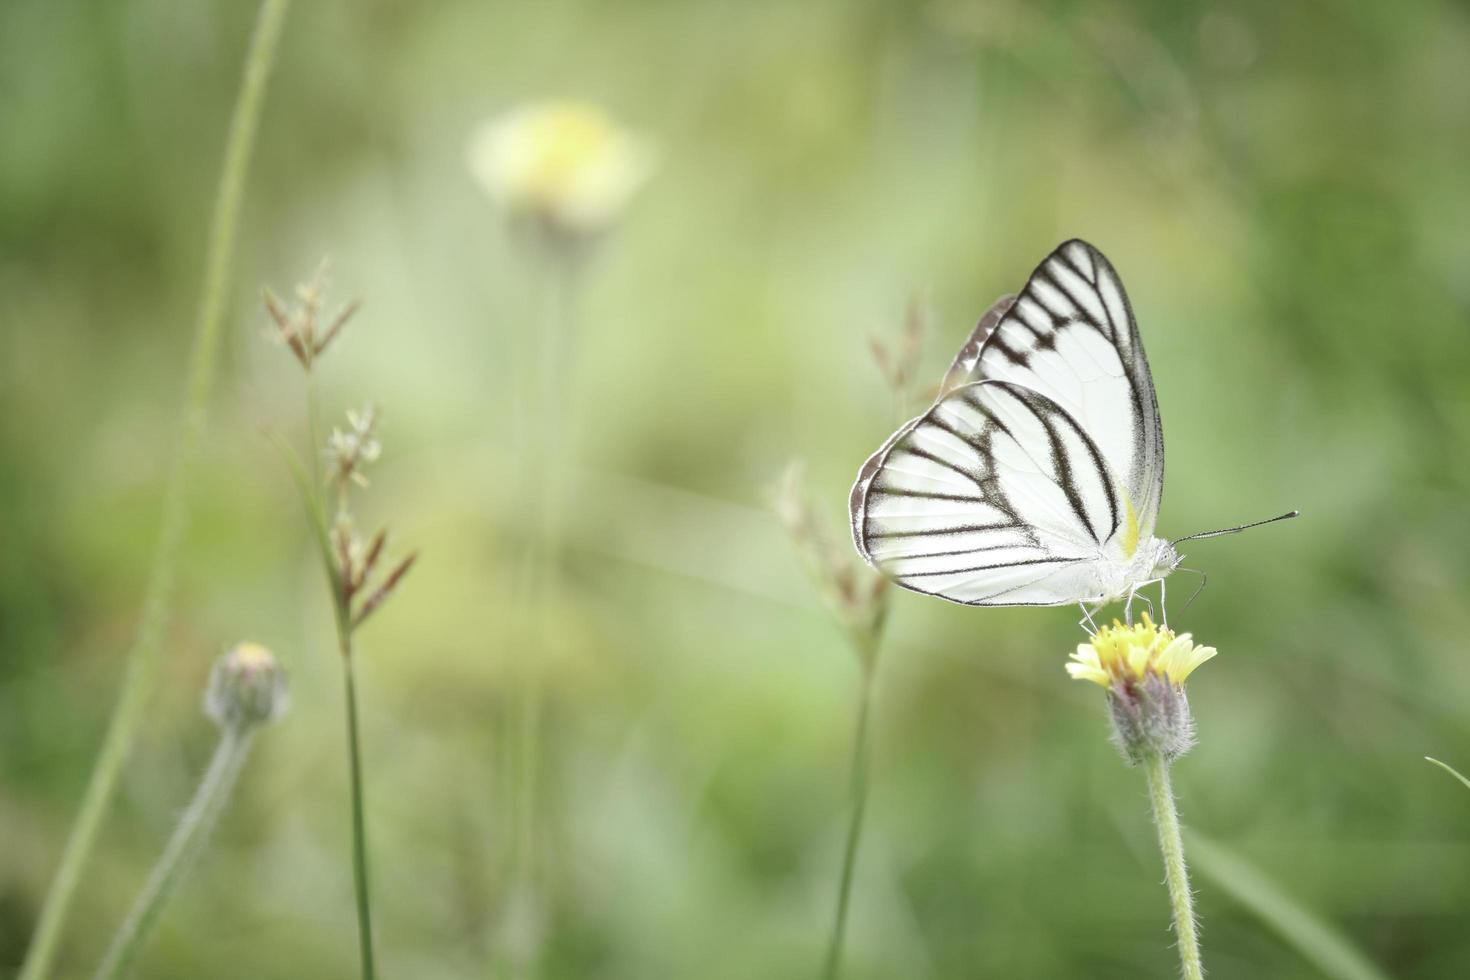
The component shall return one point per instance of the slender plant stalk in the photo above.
(554, 372)
(861, 762)
(349, 563)
(359, 829)
(143, 658)
(183, 849)
(541, 449)
(342, 616)
(1449, 769)
(1171, 845)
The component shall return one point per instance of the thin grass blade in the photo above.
(1449, 769)
(1315, 938)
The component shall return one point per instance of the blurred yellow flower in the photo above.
(1128, 654)
(564, 164)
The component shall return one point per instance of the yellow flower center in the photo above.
(252, 655)
(1128, 654)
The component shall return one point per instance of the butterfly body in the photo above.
(1118, 577)
(1035, 478)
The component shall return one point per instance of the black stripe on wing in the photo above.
(1066, 466)
(912, 519)
(1077, 288)
(1022, 563)
(1006, 596)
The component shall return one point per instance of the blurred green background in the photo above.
(1282, 187)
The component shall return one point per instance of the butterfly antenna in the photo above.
(1242, 527)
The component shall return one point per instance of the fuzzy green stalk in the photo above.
(1176, 874)
(861, 763)
(183, 849)
(143, 658)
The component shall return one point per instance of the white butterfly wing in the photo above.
(1070, 335)
(995, 496)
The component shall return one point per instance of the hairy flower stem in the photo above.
(1171, 845)
(861, 762)
(143, 658)
(182, 851)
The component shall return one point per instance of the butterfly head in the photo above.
(1156, 558)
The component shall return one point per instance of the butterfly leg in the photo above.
(1163, 606)
(1086, 622)
(1195, 594)
(1136, 593)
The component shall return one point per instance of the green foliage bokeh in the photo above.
(1282, 187)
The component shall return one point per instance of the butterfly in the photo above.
(1036, 476)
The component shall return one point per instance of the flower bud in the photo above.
(1143, 667)
(246, 688)
(1151, 715)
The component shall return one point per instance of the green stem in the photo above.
(182, 851)
(542, 467)
(861, 757)
(359, 829)
(1171, 845)
(308, 482)
(143, 658)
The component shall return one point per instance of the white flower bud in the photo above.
(565, 165)
(247, 687)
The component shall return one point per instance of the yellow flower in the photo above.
(1128, 654)
(1143, 668)
(565, 164)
